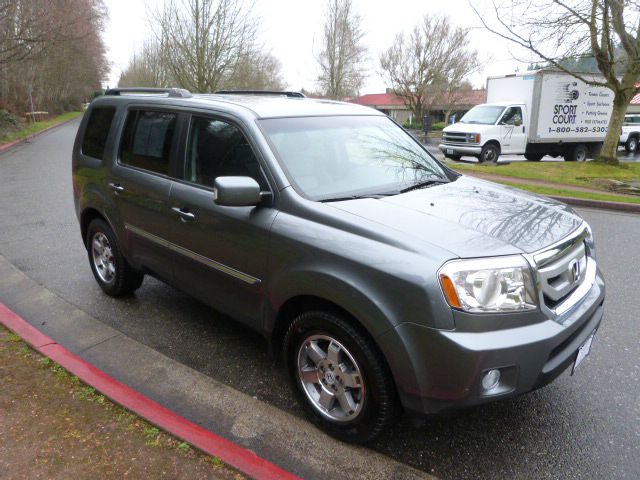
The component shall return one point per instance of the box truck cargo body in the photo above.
(533, 114)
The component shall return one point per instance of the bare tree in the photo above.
(146, 68)
(433, 54)
(342, 58)
(202, 41)
(52, 56)
(557, 30)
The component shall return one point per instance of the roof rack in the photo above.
(171, 92)
(261, 92)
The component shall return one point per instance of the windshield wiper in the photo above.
(424, 184)
(358, 197)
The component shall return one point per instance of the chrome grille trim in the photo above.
(551, 266)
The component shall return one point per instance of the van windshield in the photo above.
(483, 114)
(347, 157)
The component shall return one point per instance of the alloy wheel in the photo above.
(330, 378)
(102, 256)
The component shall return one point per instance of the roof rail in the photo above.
(261, 92)
(171, 92)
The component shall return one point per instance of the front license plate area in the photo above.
(583, 351)
(449, 151)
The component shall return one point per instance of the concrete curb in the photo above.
(584, 202)
(238, 457)
(8, 146)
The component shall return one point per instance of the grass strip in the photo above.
(36, 127)
(559, 192)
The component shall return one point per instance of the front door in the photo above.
(513, 131)
(220, 252)
(141, 183)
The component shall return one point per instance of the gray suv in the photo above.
(386, 280)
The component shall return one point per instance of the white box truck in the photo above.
(534, 114)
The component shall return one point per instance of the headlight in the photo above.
(473, 138)
(494, 284)
(591, 245)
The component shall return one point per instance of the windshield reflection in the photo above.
(350, 156)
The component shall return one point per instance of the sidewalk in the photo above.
(53, 426)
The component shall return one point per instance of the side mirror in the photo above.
(236, 191)
(518, 122)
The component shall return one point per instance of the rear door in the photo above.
(220, 252)
(141, 181)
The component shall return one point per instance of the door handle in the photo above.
(116, 187)
(184, 214)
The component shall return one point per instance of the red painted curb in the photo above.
(232, 454)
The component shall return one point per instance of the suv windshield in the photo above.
(350, 156)
(485, 115)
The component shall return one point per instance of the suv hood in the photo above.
(471, 217)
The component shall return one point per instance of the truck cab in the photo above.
(630, 134)
(486, 131)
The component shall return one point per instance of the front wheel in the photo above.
(489, 153)
(339, 377)
(632, 145)
(110, 269)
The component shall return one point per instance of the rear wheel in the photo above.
(339, 377)
(534, 157)
(577, 153)
(490, 153)
(110, 269)
(632, 145)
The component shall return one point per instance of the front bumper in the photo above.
(460, 149)
(438, 370)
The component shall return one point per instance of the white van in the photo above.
(533, 114)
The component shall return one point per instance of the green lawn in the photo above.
(31, 128)
(559, 192)
(584, 174)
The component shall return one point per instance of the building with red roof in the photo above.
(439, 106)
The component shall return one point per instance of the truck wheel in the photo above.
(490, 153)
(632, 144)
(455, 158)
(534, 157)
(112, 272)
(577, 153)
(339, 378)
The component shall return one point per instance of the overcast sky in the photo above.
(291, 29)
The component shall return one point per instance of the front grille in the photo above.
(561, 274)
(454, 137)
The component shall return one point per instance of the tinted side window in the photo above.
(217, 149)
(146, 141)
(95, 135)
(513, 116)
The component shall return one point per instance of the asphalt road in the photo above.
(585, 426)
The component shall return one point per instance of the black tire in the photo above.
(376, 397)
(122, 279)
(576, 153)
(455, 158)
(631, 146)
(534, 157)
(490, 153)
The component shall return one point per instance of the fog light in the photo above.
(491, 379)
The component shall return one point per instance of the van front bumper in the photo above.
(449, 149)
(439, 370)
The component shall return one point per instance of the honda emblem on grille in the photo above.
(574, 270)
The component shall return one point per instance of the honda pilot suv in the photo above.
(384, 279)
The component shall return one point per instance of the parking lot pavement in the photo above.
(585, 426)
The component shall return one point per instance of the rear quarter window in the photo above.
(95, 135)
